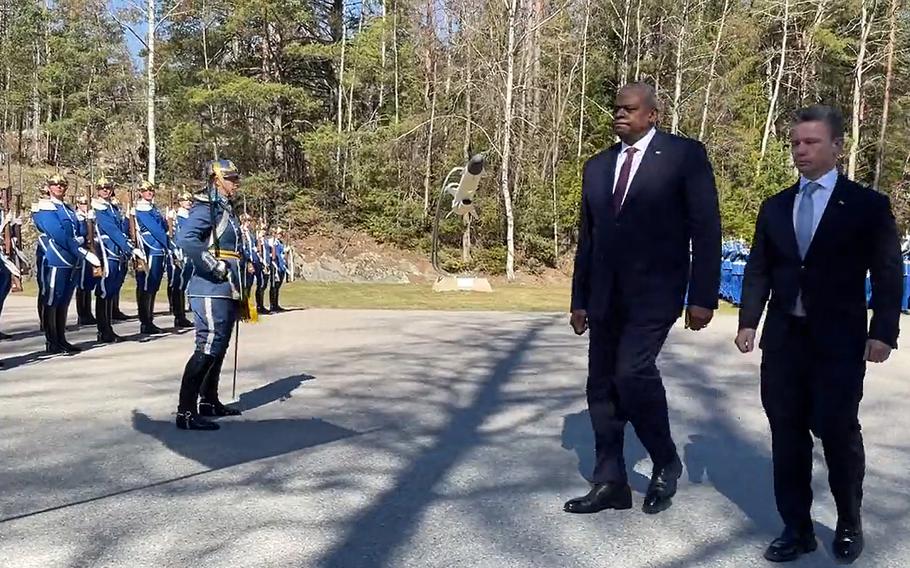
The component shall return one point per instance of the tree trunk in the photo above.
(677, 83)
(584, 76)
(428, 163)
(886, 100)
(382, 58)
(507, 140)
(339, 105)
(638, 42)
(865, 27)
(395, 53)
(772, 103)
(711, 70)
(150, 94)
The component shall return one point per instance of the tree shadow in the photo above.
(578, 435)
(373, 537)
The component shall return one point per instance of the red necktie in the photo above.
(622, 184)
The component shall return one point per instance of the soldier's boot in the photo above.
(180, 319)
(116, 314)
(41, 310)
(170, 299)
(260, 293)
(193, 374)
(50, 331)
(60, 329)
(209, 405)
(84, 307)
(150, 326)
(103, 312)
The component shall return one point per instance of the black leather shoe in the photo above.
(217, 409)
(662, 487)
(182, 323)
(117, 315)
(190, 421)
(848, 543)
(790, 545)
(602, 496)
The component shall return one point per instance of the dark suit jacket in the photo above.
(856, 234)
(642, 255)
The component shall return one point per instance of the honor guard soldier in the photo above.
(85, 282)
(9, 253)
(63, 252)
(278, 269)
(151, 231)
(180, 271)
(39, 257)
(254, 273)
(124, 221)
(116, 250)
(211, 239)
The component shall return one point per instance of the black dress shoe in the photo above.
(662, 487)
(848, 543)
(602, 496)
(217, 409)
(119, 316)
(150, 329)
(790, 545)
(109, 338)
(191, 421)
(182, 323)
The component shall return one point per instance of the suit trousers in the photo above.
(808, 388)
(624, 385)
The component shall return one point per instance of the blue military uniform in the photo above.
(7, 262)
(211, 239)
(39, 267)
(124, 223)
(277, 270)
(86, 279)
(115, 249)
(57, 224)
(251, 247)
(180, 269)
(153, 240)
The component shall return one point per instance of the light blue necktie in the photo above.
(805, 218)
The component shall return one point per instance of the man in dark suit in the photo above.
(814, 243)
(645, 201)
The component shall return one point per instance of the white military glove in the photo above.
(220, 272)
(80, 240)
(137, 252)
(91, 257)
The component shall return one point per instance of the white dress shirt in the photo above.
(819, 202)
(641, 146)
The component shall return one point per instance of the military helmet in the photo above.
(185, 196)
(57, 179)
(104, 183)
(220, 168)
(82, 200)
(146, 186)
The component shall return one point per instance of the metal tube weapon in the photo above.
(97, 271)
(139, 265)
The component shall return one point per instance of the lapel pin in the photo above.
(839, 202)
(657, 152)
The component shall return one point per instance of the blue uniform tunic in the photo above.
(180, 269)
(152, 235)
(210, 235)
(57, 225)
(115, 248)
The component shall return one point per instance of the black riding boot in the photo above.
(50, 331)
(209, 405)
(60, 329)
(193, 375)
(116, 314)
(260, 307)
(84, 307)
(150, 326)
(180, 319)
(41, 309)
(103, 313)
